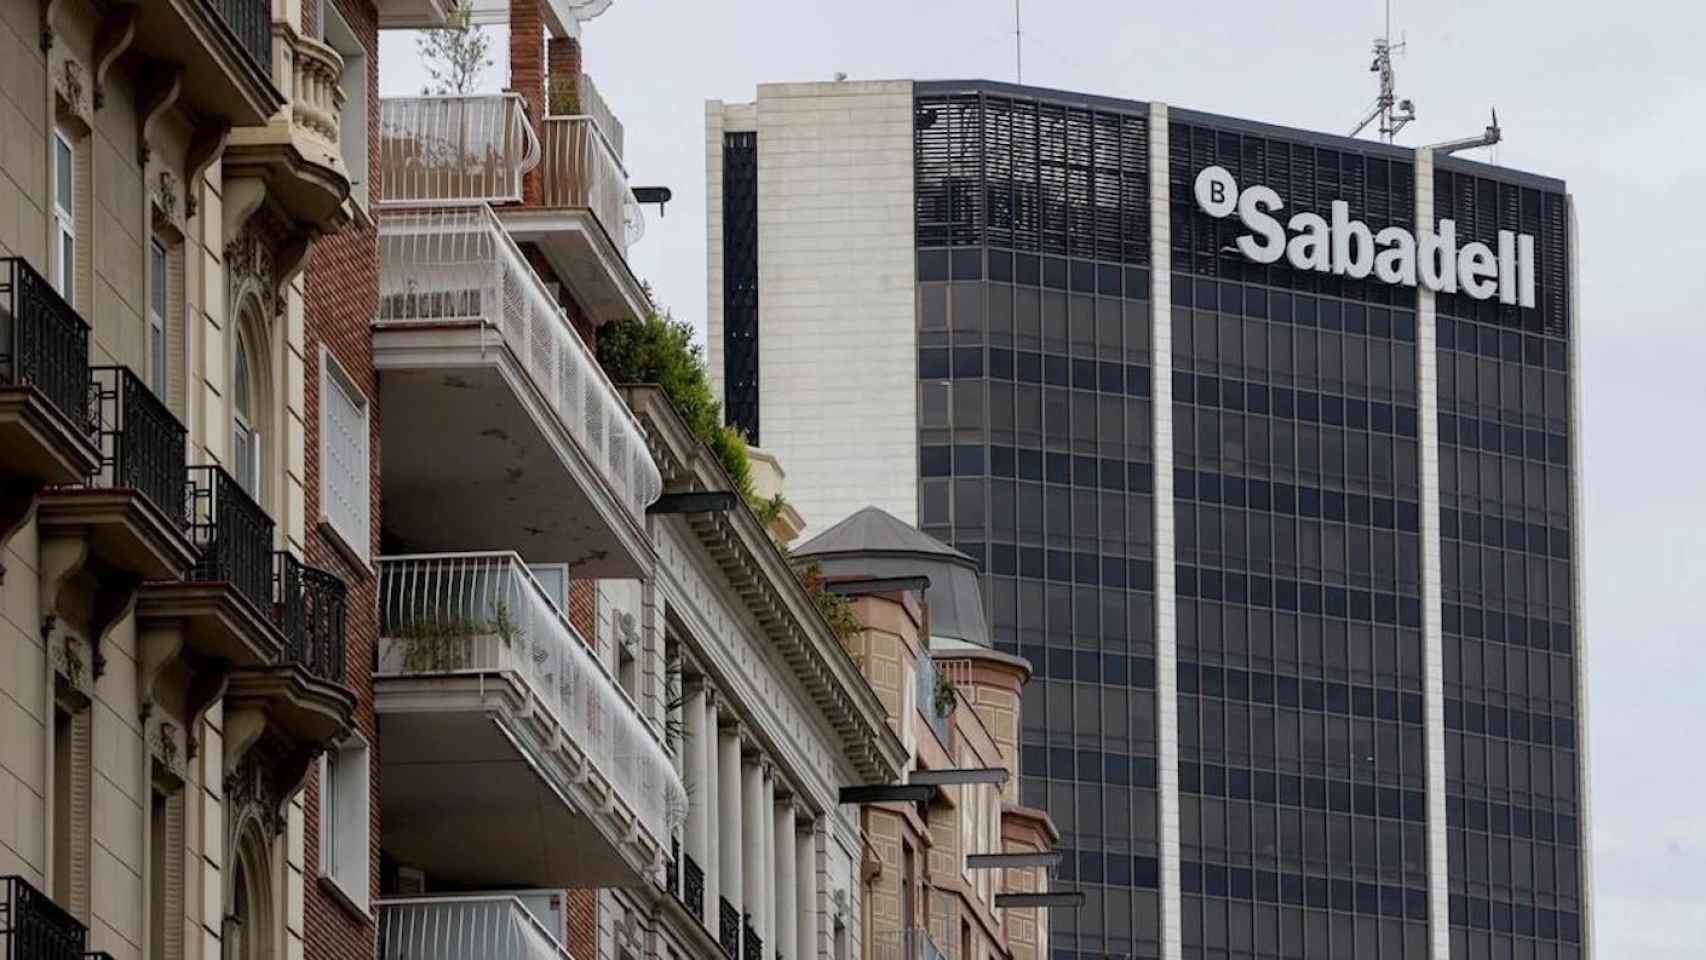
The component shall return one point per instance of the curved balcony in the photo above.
(475, 352)
(510, 754)
(446, 151)
(583, 169)
(295, 156)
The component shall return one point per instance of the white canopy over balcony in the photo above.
(510, 754)
(493, 403)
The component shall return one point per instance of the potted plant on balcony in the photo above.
(443, 640)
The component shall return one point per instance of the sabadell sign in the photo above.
(1349, 248)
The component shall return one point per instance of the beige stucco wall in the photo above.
(116, 220)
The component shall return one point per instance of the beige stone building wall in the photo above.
(134, 187)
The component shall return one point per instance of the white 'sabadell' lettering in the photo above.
(1347, 247)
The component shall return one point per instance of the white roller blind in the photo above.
(343, 457)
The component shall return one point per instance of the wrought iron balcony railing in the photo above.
(33, 927)
(309, 611)
(234, 536)
(44, 343)
(693, 887)
(251, 23)
(751, 947)
(728, 930)
(581, 169)
(672, 868)
(484, 613)
(142, 443)
(457, 266)
(479, 927)
(448, 150)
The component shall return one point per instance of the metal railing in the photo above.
(582, 169)
(485, 613)
(693, 887)
(451, 150)
(672, 869)
(142, 443)
(251, 22)
(234, 536)
(457, 266)
(728, 929)
(927, 674)
(478, 927)
(33, 927)
(751, 947)
(592, 104)
(44, 343)
(309, 611)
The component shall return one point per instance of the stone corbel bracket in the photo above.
(159, 95)
(117, 33)
(112, 600)
(206, 144)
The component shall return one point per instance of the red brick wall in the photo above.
(527, 74)
(342, 279)
(563, 74)
(583, 924)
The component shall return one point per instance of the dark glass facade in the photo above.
(1297, 486)
(740, 282)
(1036, 457)
(1298, 526)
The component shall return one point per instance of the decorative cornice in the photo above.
(737, 541)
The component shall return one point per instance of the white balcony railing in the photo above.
(592, 104)
(443, 151)
(456, 266)
(484, 613)
(480, 927)
(581, 169)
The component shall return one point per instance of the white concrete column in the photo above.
(729, 820)
(1166, 595)
(786, 884)
(694, 775)
(752, 819)
(805, 897)
(710, 797)
(1433, 641)
(766, 920)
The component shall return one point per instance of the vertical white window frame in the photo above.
(159, 304)
(245, 436)
(336, 33)
(64, 216)
(345, 819)
(345, 488)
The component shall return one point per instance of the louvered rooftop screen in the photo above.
(1031, 175)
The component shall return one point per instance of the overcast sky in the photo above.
(1607, 96)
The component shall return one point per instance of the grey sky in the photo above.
(1606, 96)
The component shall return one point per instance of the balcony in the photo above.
(905, 944)
(445, 151)
(294, 155)
(131, 512)
(936, 696)
(479, 927)
(301, 692)
(45, 432)
(225, 48)
(588, 217)
(33, 927)
(414, 14)
(510, 754)
(475, 353)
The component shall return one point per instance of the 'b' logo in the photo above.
(1217, 192)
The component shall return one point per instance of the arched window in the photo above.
(245, 427)
(248, 929)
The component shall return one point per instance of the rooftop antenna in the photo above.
(1394, 114)
(1018, 48)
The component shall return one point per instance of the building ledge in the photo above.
(126, 532)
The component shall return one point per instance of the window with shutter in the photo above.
(344, 502)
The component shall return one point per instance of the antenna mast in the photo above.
(1018, 48)
(1394, 114)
